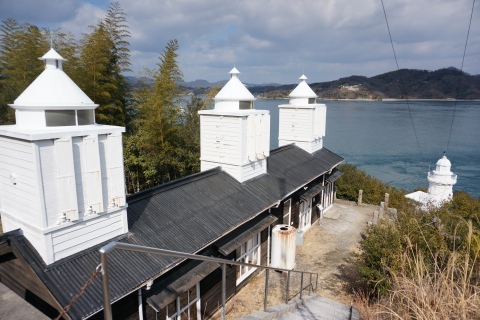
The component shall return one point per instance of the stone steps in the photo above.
(312, 307)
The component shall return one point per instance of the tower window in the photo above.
(245, 105)
(85, 117)
(60, 118)
(56, 118)
(312, 100)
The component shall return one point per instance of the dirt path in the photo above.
(326, 250)
(329, 245)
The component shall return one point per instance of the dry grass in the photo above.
(449, 289)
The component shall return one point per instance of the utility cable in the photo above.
(401, 79)
(460, 78)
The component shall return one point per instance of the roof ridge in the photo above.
(172, 184)
(282, 148)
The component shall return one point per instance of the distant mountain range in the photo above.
(418, 84)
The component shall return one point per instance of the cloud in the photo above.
(278, 40)
(45, 11)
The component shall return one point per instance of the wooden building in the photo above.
(227, 210)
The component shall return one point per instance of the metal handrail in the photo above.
(105, 250)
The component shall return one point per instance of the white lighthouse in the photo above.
(441, 181)
(440, 185)
(61, 175)
(234, 135)
(302, 121)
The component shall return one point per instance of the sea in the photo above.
(399, 142)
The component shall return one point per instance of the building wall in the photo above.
(19, 187)
(303, 125)
(221, 139)
(16, 275)
(82, 235)
(211, 288)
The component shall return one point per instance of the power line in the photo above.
(401, 79)
(460, 78)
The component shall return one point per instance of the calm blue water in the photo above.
(380, 139)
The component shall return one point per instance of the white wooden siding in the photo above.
(17, 160)
(34, 237)
(220, 139)
(296, 124)
(77, 237)
(253, 169)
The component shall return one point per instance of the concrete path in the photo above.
(14, 307)
(327, 250)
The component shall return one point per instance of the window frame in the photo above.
(289, 201)
(179, 311)
(305, 216)
(247, 255)
(49, 113)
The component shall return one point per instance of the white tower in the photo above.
(302, 121)
(234, 135)
(440, 185)
(61, 175)
(441, 181)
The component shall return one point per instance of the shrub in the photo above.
(374, 190)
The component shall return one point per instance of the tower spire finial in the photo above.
(51, 38)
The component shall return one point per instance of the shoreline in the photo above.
(382, 100)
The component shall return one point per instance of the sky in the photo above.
(276, 41)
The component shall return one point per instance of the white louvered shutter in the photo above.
(116, 182)
(258, 137)
(323, 120)
(92, 174)
(266, 134)
(251, 138)
(317, 123)
(67, 191)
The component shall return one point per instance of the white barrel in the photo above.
(283, 246)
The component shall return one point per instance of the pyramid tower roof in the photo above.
(234, 89)
(303, 90)
(53, 89)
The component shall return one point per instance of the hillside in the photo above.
(419, 84)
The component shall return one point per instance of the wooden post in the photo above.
(382, 210)
(387, 196)
(360, 193)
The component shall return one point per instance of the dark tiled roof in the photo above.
(178, 283)
(184, 215)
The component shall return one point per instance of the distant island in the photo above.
(419, 84)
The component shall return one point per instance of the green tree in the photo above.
(95, 79)
(20, 48)
(67, 46)
(374, 190)
(154, 152)
(117, 26)
(103, 60)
